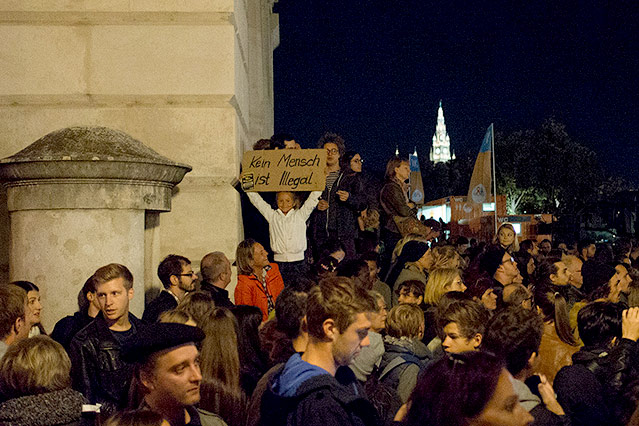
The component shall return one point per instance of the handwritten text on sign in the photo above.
(284, 170)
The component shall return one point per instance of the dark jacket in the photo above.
(340, 219)
(97, 368)
(162, 303)
(65, 329)
(301, 394)
(220, 296)
(430, 321)
(57, 408)
(591, 391)
(401, 364)
(394, 202)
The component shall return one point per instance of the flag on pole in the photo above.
(416, 184)
(480, 183)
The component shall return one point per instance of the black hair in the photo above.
(331, 246)
(461, 240)
(345, 161)
(598, 323)
(604, 253)
(514, 334)
(171, 265)
(26, 285)
(370, 256)
(278, 139)
(329, 137)
(585, 243)
(526, 245)
(367, 242)
(290, 308)
(352, 268)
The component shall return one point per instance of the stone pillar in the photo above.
(192, 79)
(77, 200)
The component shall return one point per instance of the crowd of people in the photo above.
(363, 315)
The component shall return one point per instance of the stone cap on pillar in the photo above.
(89, 167)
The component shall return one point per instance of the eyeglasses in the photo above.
(357, 160)
(511, 260)
(332, 151)
(190, 274)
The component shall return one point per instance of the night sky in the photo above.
(374, 71)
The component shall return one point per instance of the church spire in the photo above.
(440, 151)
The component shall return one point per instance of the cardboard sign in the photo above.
(284, 170)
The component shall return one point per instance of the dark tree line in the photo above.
(540, 171)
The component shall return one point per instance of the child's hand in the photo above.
(343, 195)
(322, 205)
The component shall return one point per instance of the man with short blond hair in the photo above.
(318, 387)
(98, 371)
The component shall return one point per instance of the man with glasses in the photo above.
(178, 278)
(499, 266)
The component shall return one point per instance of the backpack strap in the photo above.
(400, 360)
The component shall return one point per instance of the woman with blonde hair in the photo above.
(35, 380)
(440, 282)
(506, 238)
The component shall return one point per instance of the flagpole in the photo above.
(492, 131)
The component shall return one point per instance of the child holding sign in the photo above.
(287, 230)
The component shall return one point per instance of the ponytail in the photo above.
(562, 320)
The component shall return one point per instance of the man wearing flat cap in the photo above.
(168, 373)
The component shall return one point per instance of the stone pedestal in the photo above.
(77, 200)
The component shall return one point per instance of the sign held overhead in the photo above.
(284, 170)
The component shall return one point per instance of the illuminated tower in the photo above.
(440, 152)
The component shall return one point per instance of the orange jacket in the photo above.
(249, 290)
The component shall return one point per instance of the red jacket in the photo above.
(249, 290)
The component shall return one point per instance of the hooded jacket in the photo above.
(302, 394)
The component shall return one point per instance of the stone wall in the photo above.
(191, 79)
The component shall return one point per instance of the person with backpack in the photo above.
(405, 355)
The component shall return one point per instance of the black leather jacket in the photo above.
(97, 368)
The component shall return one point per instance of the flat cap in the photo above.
(158, 337)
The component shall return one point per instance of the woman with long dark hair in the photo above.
(467, 389)
(557, 343)
(253, 361)
(220, 363)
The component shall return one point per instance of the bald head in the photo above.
(216, 269)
